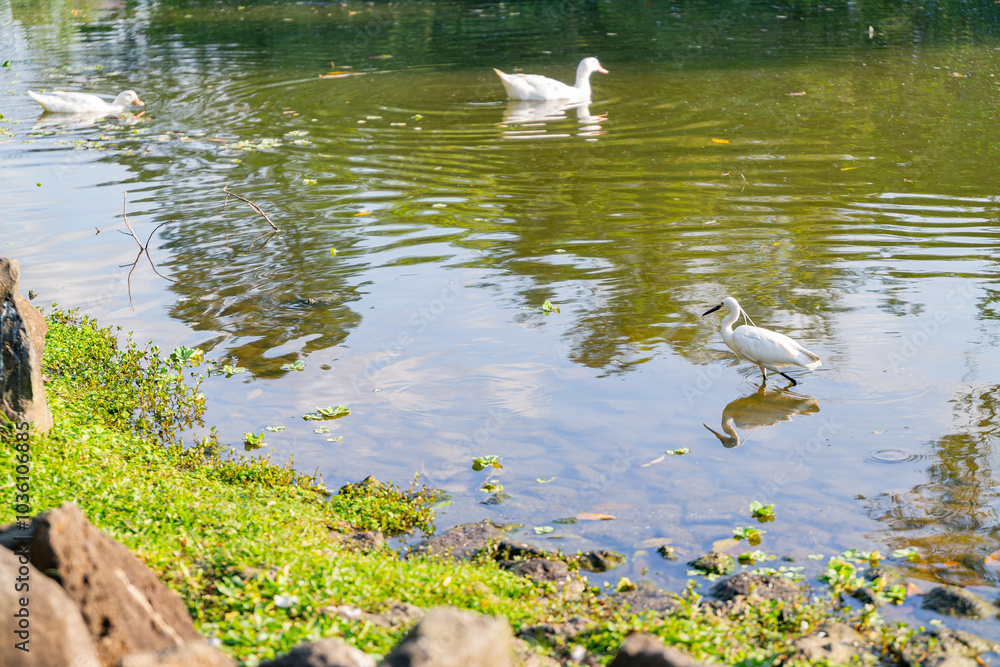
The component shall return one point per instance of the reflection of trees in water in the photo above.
(953, 517)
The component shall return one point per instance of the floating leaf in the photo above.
(363, 211)
(275, 429)
(542, 480)
(549, 307)
(297, 365)
(679, 452)
(253, 441)
(333, 252)
(339, 438)
(481, 462)
(720, 141)
(333, 412)
(594, 516)
(909, 553)
(321, 429)
(542, 530)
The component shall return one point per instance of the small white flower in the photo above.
(285, 601)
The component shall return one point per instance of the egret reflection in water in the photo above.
(765, 407)
(527, 119)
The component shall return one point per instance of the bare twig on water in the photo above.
(252, 205)
(127, 223)
(143, 250)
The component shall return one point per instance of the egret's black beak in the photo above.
(711, 310)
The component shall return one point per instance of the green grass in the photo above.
(231, 535)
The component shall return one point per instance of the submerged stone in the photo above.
(956, 601)
(715, 562)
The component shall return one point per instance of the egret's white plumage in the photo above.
(768, 349)
(537, 87)
(59, 101)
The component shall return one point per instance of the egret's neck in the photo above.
(727, 325)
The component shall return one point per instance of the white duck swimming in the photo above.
(537, 87)
(766, 348)
(59, 101)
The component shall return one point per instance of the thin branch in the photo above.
(150, 257)
(269, 235)
(252, 205)
(143, 250)
(127, 223)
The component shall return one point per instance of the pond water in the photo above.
(840, 182)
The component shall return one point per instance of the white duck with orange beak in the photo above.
(59, 101)
(538, 87)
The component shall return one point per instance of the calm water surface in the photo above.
(842, 186)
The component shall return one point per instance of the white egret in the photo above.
(538, 87)
(768, 349)
(59, 101)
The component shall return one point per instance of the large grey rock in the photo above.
(53, 630)
(646, 596)
(766, 586)
(644, 650)
(956, 601)
(944, 647)
(449, 637)
(330, 652)
(124, 605)
(461, 541)
(189, 654)
(22, 339)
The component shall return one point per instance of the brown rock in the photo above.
(22, 339)
(329, 652)
(359, 540)
(527, 657)
(540, 569)
(461, 541)
(831, 643)
(646, 597)
(643, 650)
(189, 654)
(449, 637)
(956, 601)
(766, 586)
(125, 606)
(55, 632)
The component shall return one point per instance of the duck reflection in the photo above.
(526, 119)
(72, 121)
(766, 407)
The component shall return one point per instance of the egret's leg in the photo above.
(790, 378)
(763, 375)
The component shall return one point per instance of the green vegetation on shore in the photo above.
(249, 544)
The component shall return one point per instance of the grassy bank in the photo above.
(247, 542)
